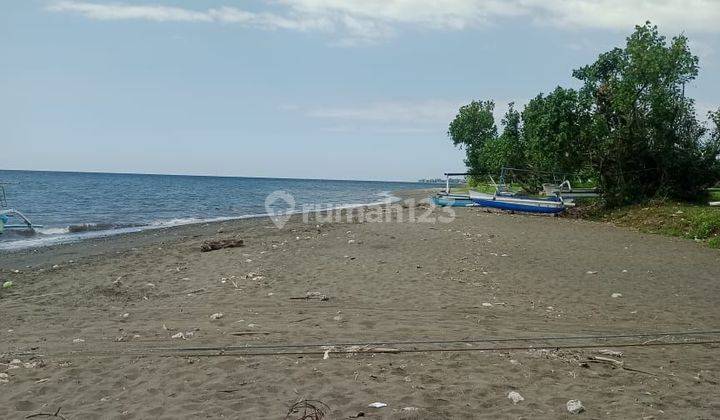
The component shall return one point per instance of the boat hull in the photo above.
(453, 201)
(520, 204)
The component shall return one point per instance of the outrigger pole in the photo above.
(447, 179)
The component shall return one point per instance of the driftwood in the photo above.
(55, 414)
(312, 295)
(214, 245)
(616, 364)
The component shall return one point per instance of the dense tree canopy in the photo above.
(630, 125)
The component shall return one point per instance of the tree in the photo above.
(630, 125)
(555, 131)
(646, 138)
(472, 128)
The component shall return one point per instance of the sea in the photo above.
(74, 206)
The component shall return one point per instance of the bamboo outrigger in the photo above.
(8, 215)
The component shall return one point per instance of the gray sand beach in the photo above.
(146, 325)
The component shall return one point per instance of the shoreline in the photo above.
(118, 241)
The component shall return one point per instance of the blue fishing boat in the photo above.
(504, 201)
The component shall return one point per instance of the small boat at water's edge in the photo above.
(550, 205)
(8, 215)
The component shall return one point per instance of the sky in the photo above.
(338, 89)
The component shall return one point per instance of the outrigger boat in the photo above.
(8, 215)
(453, 200)
(566, 190)
(448, 199)
(505, 201)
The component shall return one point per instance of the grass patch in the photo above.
(696, 222)
(714, 194)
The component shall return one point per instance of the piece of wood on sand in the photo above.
(214, 245)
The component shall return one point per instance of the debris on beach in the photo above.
(183, 335)
(591, 272)
(78, 340)
(4, 378)
(487, 304)
(515, 397)
(616, 295)
(368, 349)
(214, 245)
(575, 407)
(307, 410)
(608, 360)
(216, 316)
(7, 284)
(312, 295)
(377, 405)
(608, 352)
(253, 276)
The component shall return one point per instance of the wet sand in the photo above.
(88, 327)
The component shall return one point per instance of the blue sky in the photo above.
(349, 89)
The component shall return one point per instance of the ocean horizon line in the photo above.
(210, 176)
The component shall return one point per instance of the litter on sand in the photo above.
(575, 406)
(208, 246)
(377, 405)
(608, 352)
(515, 397)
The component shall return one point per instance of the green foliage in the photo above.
(472, 128)
(630, 126)
(649, 139)
(555, 131)
(714, 242)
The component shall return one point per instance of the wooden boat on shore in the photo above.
(549, 205)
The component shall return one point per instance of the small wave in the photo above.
(388, 196)
(53, 231)
(83, 231)
(95, 227)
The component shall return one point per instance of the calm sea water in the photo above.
(73, 206)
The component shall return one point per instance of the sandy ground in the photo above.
(88, 328)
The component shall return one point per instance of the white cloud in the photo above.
(425, 111)
(353, 22)
(698, 15)
(122, 12)
(157, 13)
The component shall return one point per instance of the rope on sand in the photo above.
(474, 341)
(371, 347)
